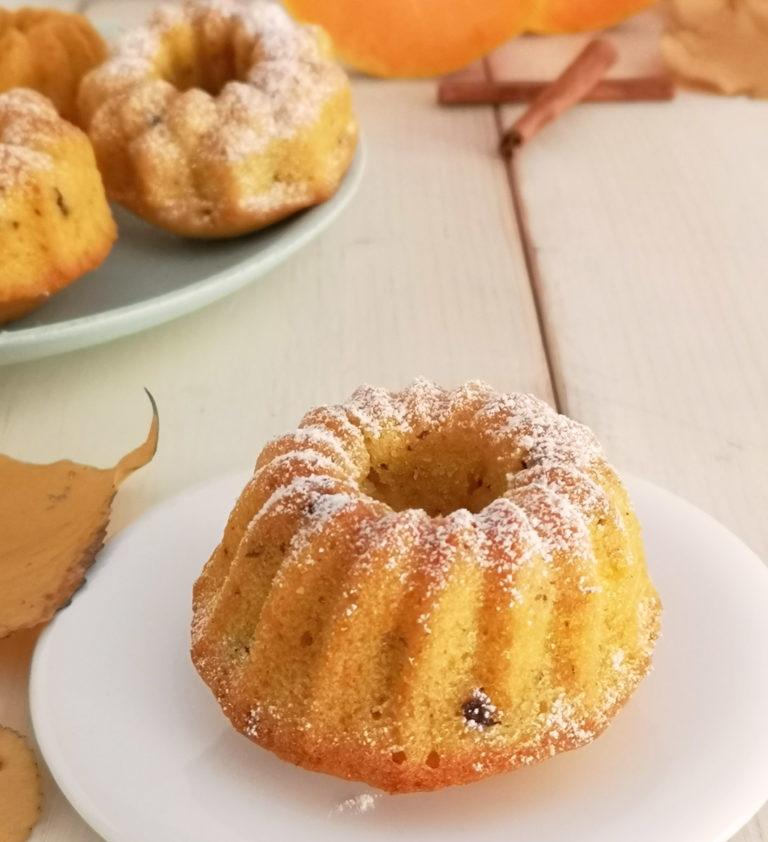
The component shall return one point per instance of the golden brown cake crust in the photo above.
(423, 588)
(220, 117)
(55, 223)
(49, 51)
(362, 763)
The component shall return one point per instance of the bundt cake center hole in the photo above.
(435, 472)
(206, 61)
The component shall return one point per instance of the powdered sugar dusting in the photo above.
(363, 803)
(220, 116)
(331, 417)
(319, 462)
(548, 504)
(296, 494)
(370, 408)
(563, 722)
(288, 81)
(545, 511)
(505, 534)
(524, 545)
(18, 164)
(28, 124)
(321, 509)
(562, 526)
(317, 434)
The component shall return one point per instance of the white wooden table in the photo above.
(646, 318)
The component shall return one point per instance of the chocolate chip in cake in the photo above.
(60, 201)
(478, 711)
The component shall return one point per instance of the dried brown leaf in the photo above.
(20, 795)
(719, 45)
(53, 519)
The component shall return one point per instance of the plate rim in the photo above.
(41, 341)
(101, 824)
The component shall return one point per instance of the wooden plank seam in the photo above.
(529, 253)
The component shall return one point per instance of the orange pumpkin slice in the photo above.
(414, 37)
(429, 37)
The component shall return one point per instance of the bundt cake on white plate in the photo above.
(424, 588)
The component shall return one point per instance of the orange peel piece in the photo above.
(20, 794)
(53, 519)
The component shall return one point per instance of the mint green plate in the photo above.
(152, 277)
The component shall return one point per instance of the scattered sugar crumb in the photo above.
(363, 803)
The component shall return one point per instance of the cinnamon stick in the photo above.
(481, 92)
(570, 87)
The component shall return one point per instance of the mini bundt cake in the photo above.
(55, 223)
(218, 118)
(49, 51)
(425, 588)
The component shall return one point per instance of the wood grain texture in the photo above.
(63, 5)
(652, 265)
(116, 15)
(534, 57)
(409, 281)
(647, 226)
(422, 275)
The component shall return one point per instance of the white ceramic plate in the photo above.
(139, 746)
(152, 276)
